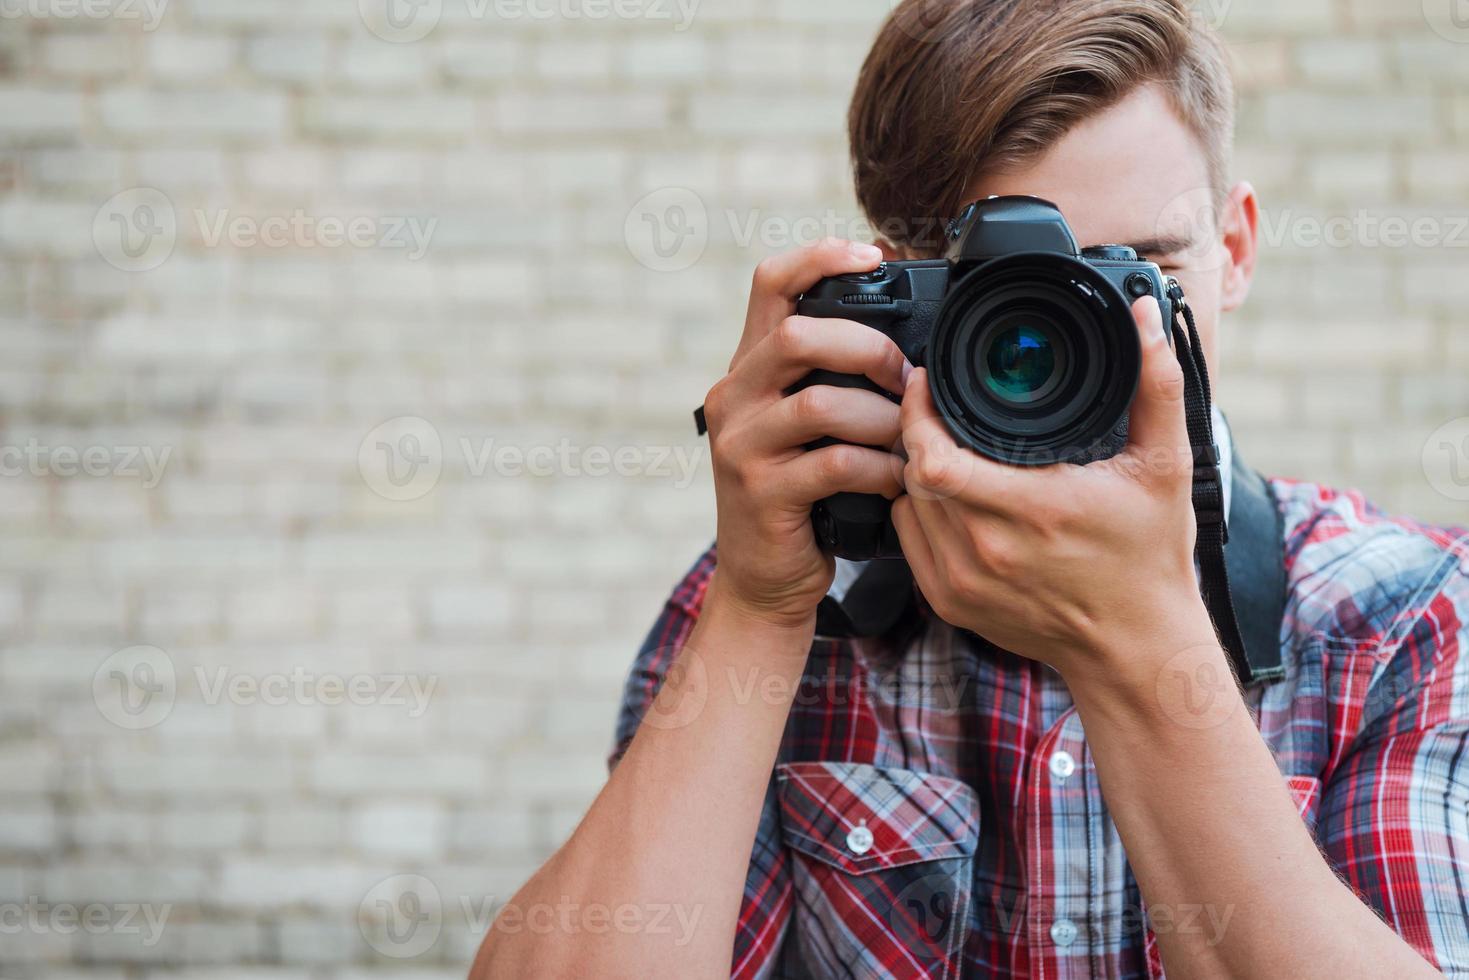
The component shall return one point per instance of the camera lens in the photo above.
(1020, 364)
(1034, 359)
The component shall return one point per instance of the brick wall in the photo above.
(344, 401)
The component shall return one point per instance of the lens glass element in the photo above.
(1021, 361)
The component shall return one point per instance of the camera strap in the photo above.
(1248, 629)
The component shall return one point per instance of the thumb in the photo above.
(1158, 417)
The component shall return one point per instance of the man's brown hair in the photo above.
(957, 89)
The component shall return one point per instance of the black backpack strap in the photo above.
(1255, 562)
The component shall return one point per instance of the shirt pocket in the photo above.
(882, 866)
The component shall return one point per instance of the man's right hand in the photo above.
(765, 481)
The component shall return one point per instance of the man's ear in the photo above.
(1239, 221)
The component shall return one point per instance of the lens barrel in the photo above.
(1034, 360)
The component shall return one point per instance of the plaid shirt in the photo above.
(935, 810)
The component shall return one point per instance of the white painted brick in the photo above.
(1351, 63)
(87, 55)
(414, 830)
(455, 609)
(222, 113)
(582, 113)
(27, 826)
(480, 59)
(370, 64)
(443, 117)
(289, 57)
(30, 114)
(215, 829)
(190, 57)
(450, 775)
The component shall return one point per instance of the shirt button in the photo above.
(1063, 932)
(1062, 765)
(859, 840)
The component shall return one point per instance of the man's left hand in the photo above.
(1074, 566)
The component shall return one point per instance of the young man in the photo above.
(1084, 791)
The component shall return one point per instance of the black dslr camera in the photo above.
(1032, 352)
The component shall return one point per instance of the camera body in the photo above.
(1032, 352)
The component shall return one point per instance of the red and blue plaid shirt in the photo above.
(935, 810)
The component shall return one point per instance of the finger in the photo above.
(934, 518)
(916, 548)
(1158, 419)
(820, 473)
(938, 467)
(802, 344)
(781, 279)
(852, 415)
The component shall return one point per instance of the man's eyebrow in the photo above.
(1159, 247)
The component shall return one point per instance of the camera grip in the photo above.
(854, 526)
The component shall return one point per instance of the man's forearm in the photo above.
(674, 826)
(1209, 826)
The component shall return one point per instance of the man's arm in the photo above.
(1090, 569)
(1209, 825)
(675, 825)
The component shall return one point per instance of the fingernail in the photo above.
(907, 372)
(867, 253)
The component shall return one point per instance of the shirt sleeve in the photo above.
(667, 637)
(1395, 815)
(766, 910)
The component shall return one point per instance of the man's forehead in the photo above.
(1132, 175)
